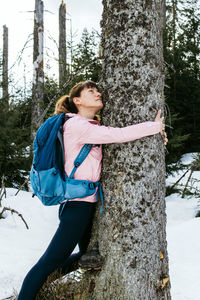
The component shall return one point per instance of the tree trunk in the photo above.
(164, 13)
(5, 65)
(38, 72)
(174, 44)
(62, 44)
(131, 231)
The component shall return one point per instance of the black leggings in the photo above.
(74, 228)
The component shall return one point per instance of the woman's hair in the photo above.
(65, 104)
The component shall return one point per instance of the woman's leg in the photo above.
(74, 221)
(69, 264)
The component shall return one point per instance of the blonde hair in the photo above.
(61, 106)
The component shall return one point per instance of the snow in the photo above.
(21, 248)
(183, 237)
(183, 247)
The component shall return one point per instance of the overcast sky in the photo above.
(18, 17)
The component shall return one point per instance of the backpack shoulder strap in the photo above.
(60, 146)
(82, 154)
(80, 158)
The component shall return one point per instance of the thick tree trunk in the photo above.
(62, 44)
(5, 65)
(132, 229)
(38, 71)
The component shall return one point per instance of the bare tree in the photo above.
(38, 72)
(62, 43)
(5, 64)
(131, 231)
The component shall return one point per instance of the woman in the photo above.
(82, 104)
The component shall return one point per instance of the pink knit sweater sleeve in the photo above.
(87, 133)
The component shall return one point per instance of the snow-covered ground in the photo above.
(21, 248)
(183, 237)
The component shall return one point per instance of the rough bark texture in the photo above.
(5, 63)
(62, 43)
(132, 229)
(38, 71)
(164, 13)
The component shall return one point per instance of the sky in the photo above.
(18, 17)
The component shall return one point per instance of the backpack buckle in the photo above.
(91, 185)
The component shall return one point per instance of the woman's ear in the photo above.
(76, 100)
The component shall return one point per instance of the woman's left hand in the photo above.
(160, 119)
(162, 130)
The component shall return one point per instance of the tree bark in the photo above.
(5, 65)
(164, 13)
(62, 44)
(132, 229)
(174, 44)
(38, 71)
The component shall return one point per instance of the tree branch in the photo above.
(3, 189)
(14, 211)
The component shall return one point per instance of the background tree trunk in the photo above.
(132, 229)
(5, 65)
(164, 13)
(38, 71)
(62, 44)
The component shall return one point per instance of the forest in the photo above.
(182, 88)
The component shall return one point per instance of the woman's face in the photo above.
(90, 98)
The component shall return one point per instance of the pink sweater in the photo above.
(79, 131)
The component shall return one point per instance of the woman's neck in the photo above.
(87, 114)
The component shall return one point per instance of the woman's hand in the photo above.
(165, 138)
(159, 119)
(162, 126)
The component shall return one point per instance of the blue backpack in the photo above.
(48, 178)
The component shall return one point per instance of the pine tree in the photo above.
(181, 54)
(190, 40)
(15, 142)
(83, 54)
(131, 230)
